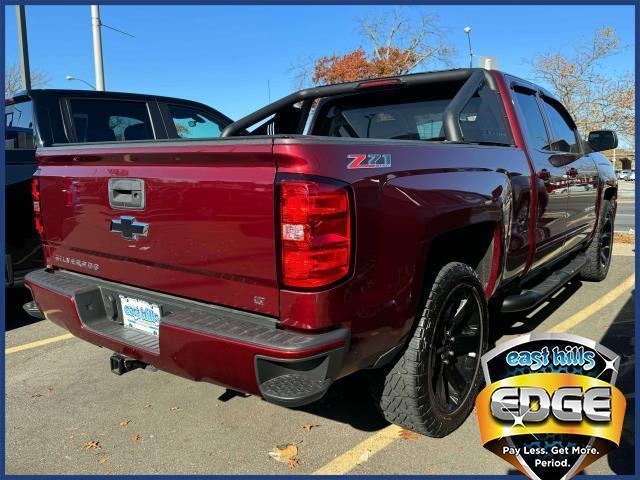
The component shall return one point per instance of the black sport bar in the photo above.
(473, 77)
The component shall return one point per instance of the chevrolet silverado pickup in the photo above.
(96, 116)
(367, 225)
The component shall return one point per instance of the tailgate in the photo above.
(193, 219)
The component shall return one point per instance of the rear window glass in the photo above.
(110, 120)
(416, 114)
(421, 120)
(193, 123)
(18, 127)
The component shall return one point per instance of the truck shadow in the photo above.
(621, 338)
(522, 323)
(348, 401)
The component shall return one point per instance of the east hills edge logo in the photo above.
(550, 407)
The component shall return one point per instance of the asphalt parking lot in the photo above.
(66, 413)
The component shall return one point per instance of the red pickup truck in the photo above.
(368, 225)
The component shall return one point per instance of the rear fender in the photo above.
(418, 209)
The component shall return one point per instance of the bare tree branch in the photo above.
(13, 79)
(596, 97)
(398, 45)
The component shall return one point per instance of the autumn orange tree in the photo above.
(596, 97)
(396, 45)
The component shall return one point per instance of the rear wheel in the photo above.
(432, 386)
(599, 251)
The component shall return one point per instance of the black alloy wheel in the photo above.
(455, 356)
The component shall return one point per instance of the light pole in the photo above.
(97, 46)
(467, 30)
(71, 77)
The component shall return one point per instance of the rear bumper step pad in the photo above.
(32, 309)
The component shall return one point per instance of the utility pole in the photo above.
(23, 47)
(97, 47)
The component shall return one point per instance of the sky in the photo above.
(231, 57)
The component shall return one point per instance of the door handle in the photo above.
(126, 193)
(572, 172)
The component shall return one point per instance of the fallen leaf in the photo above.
(124, 423)
(103, 460)
(624, 238)
(36, 395)
(284, 453)
(365, 456)
(309, 426)
(148, 405)
(92, 445)
(136, 438)
(252, 414)
(50, 390)
(409, 435)
(292, 463)
(174, 408)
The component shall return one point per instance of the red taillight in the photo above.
(37, 213)
(315, 232)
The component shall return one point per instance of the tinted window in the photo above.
(18, 122)
(563, 134)
(410, 115)
(481, 120)
(534, 128)
(110, 120)
(192, 123)
(409, 121)
(429, 126)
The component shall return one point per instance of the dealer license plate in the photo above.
(141, 315)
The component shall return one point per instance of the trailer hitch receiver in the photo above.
(121, 364)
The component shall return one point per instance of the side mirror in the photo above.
(601, 140)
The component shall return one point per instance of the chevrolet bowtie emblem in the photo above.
(129, 228)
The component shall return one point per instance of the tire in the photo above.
(406, 392)
(599, 250)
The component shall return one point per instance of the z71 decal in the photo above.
(371, 160)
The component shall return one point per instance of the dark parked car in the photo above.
(23, 250)
(59, 117)
(366, 225)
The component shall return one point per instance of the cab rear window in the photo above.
(411, 114)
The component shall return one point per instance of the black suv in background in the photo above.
(77, 116)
